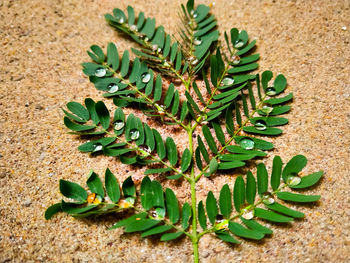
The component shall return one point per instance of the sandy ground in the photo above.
(42, 46)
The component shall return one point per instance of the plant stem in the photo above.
(194, 218)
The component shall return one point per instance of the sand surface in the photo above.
(42, 46)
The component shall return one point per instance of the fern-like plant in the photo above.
(204, 87)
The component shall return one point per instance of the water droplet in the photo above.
(112, 88)
(100, 72)
(248, 214)
(194, 62)
(134, 134)
(154, 47)
(144, 150)
(227, 81)
(133, 28)
(247, 143)
(260, 125)
(235, 60)
(118, 125)
(270, 91)
(145, 77)
(266, 109)
(239, 44)
(97, 147)
(293, 180)
(166, 64)
(268, 199)
(197, 41)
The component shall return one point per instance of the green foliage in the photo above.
(232, 120)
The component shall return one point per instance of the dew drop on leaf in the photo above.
(133, 28)
(118, 125)
(134, 134)
(97, 147)
(227, 81)
(197, 41)
(266, 109)
(293, 180)
(154, 47)
(260, 125)
(270, 91)
(100, 72)
(248, 214)
(235, 60)
(239, 44)
(247, 143)
(144, 150)
(194, 14)
(145, 77)
(112, 88)
(268, 199)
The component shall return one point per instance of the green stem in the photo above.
(194, 219)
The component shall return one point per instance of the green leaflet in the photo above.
(262, 177)
(241, 231)
(52, 210)
(276, 173)
(294, 166)
(156, 230)
(284, 210)
(95, 185)
(172, 206)
(112, 186)
(186, 215)
(225, 201)
(171, 150)
(225, 236)
(250, 188)
(140, 225)
(286, 196)
(146, 193)
(72, 190)
(271, 216)
(103, 114)
(186, 160)
(202, 219)
(212, 209)
(308, 180)
(252, 224)
(238, 193)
